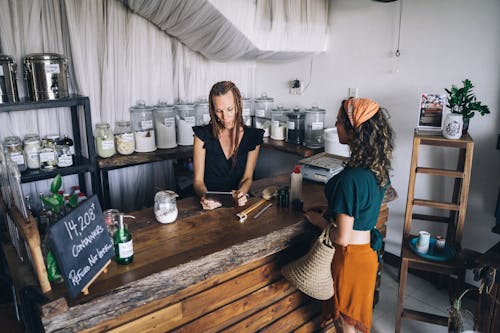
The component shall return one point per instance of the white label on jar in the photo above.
(276, 123)
(127, 137)
(72, 150)
(1, 70)
(64, 161)
(17, 157)
(46, 156)
(291, 125)
(260, 113)
(33, 155)
(317, 125)
(146, 124)
(125, 250)
(246, 112)
(189, 120)
(107, 144)
(52, 68)
(169, 122)
(206, 117)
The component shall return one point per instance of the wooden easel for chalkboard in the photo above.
(104, 270)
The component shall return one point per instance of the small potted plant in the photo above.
(463, 101)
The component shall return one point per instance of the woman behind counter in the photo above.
(225, 151)
(354, 199)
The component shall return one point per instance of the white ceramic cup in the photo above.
(424, 238)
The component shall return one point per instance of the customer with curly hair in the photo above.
(354, 199)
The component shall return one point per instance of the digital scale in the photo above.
(321, 167)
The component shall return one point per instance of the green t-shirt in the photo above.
(355, 192)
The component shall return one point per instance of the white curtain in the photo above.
(116, 58)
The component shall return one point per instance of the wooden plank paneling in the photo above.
(294, 319)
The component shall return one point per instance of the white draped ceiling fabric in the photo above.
(117, 57)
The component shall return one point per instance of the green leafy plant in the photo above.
(55, 201)
(463, 101)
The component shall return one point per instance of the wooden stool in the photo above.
(454, 221)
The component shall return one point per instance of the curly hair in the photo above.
(372, 144)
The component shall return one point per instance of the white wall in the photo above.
(442, 42)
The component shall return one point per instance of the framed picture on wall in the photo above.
(431, 113)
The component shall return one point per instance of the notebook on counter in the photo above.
(321, 167)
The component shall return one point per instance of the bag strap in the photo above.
(325, 236)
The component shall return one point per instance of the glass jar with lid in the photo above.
(166, 206)
(315, 118)
(68, 142)
(104, 140)
(143, 126)
(164, 115)
(64, 157)
(278, 123)
(48, 158)
(124, 138)
(247, 111)
(263, 106)
(202, 115)
(53, 137)
(32, 147)
(262, 123)
(295, 127)
(15, 149)
(185, 120)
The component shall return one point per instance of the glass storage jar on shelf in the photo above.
(164, 115)
(48, 158)
(262, 123)
(64, 157)
(263, 106)
(315, 118)
(185, 120)
(278, 122)
(295, 127)
(202, 115)
(104, 140)
(68, 142)
(32, 147)
(124, 137)
(15, 149)
(247, 111)
(143, 126)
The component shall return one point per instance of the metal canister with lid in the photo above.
(8, 80)
(295, 127)
(124, 138)
(315, 119)
(32, 147)
(46, 76)
(15, 150)
(143, 126)
(164, 115)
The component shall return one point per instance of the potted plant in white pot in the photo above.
(463, 101)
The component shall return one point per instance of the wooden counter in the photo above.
(205, 272)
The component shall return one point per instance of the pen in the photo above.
(262, 211)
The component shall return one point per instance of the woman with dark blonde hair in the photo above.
(354, 199)
(225, 151)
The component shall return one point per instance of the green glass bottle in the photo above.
(124, 248)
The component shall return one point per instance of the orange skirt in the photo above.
(354, 271)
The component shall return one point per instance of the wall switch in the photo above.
(296, 87)
(353, 92)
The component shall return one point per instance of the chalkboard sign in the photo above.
(81, 245)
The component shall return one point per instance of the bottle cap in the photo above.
(296, 169)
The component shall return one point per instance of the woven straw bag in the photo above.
(312, 273)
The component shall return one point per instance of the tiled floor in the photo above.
(420, 295)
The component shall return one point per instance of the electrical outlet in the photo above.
(296, 87)
(353, 92)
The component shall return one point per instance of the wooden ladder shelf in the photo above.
(454, 220)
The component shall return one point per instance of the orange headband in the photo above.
(359, 110)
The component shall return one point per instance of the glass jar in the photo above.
(263, 106)
(31, 150)
(247, 111)
(295, 127)
(68, 142)
(278, 123)
(263, 123)
(15, 149)
(142, 124)
(165, 206)
(47, 155)
(202, 115)
(104, 140)
(315, 118)
(164, 116)
(53, 137)
(64, 157)
(124, 138)
(185, 120)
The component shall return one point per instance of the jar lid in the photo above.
(53, 137)
(280, 108)
(31, 140)
(122, 123)
(44, 56)
(315, 108)
(6, 58)
(165, 195)
(31, 137)
(184, 106)
(102, 125)
(264, 99)
(296, 115)
(11, 141)
(140, 106)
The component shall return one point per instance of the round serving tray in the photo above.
(448, 252)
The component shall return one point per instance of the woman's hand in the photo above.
(239, 197)
(209, 204)
(314, 215)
